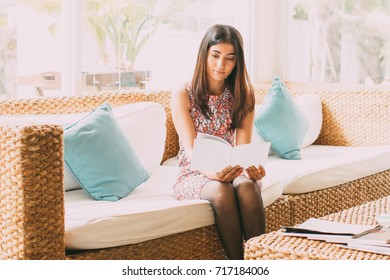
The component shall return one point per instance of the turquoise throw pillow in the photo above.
(101, 158)
(280, 121)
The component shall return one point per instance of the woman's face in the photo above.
(221, 60)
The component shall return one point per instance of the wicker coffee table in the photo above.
(274, 246)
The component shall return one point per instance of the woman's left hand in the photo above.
(255, 173)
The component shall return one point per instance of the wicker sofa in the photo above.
(32, 225)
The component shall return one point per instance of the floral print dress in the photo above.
(189, 183)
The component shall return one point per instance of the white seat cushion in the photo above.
(323, 167)
(150, 211)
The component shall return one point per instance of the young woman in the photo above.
(220, 101)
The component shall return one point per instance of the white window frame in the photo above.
(71, 18)
(268, 44)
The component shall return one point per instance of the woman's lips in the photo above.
(219, 72)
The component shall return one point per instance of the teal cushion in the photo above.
(280, 121)
(101, 158)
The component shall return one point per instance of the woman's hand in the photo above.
(228, 174)
(255, 173)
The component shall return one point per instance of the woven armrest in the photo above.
(31, 192)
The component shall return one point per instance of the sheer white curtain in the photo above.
(338, 41)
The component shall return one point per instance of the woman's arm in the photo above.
(182, 120)
(184, 125)
(244, 136)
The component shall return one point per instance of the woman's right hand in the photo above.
(228, 174)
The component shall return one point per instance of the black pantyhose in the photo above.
(238, 210)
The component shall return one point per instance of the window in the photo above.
(36, 62)
(338, 41)
(157, 40)
(60, 47)
(7, 49)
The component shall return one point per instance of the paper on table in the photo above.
(213, 154)
(378, 237)
(367, 248)
(383, 219)
(314, 225)
(334, 238)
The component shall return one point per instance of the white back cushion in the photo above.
(143, 124)
(311, 107)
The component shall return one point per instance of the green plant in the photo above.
(127, 26)
(300, 12)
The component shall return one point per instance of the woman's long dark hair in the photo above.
(238, 81)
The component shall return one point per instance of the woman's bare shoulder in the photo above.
(180, 96)
(180, 90)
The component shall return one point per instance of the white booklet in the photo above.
(212, 153)
(384, 250)
(377, 237)
(334, 238)
(319, 226)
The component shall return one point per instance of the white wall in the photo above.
(266, 27)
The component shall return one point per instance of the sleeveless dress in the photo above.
(189, 183)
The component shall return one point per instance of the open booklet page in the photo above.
(213, 154)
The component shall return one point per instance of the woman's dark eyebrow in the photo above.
(220, 52)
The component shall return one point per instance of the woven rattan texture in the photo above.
(32, 227)
(69, 104)
(198, 244)
(31, 193)
(276, 247)
(277, 214)
(324, 202)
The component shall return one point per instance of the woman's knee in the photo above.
(245, 186)
(219, 194)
